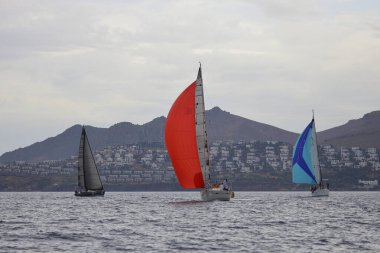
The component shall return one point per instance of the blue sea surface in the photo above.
(179, 221)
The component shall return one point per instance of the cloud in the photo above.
(104, 62)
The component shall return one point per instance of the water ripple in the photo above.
(178, 221)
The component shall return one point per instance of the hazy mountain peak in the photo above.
(216, 109)
(372, 115)
(363, 132)
(122, 124)
(158, 119)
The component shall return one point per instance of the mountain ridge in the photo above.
(363, 132)
(221, 125)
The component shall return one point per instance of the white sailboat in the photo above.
(186, 141)
(89, 183)
(306, 168)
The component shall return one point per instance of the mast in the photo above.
(201, 130)
(84, 152)
(81, 173)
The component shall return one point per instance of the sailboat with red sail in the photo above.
(186, 142)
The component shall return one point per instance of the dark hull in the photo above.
(90, 194)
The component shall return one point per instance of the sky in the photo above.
(102, 62)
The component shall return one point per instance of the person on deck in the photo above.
(225, 185)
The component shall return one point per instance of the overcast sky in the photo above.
(102, 62)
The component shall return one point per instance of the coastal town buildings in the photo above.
(144, 164)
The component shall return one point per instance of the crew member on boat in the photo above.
(78, 189)
(225, 186)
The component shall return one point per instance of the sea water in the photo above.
(179, 221)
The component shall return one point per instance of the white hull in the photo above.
(320, 193)
(216, 194)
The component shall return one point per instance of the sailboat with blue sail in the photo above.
(306, 168)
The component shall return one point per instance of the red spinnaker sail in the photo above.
(180, 139)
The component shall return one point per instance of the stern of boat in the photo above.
(216, 194)
(320, 192)
(89, 193)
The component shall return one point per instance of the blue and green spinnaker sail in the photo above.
(306, 169)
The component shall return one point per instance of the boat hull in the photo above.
(216, 194)
(90, 194)
(320, 193)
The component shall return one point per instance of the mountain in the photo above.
(221, 125)
(49, 149)
(66, 144)
(363, 132)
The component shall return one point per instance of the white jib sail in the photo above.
(314, 156)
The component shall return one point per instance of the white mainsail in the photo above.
(314, 156)
(200, 128)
